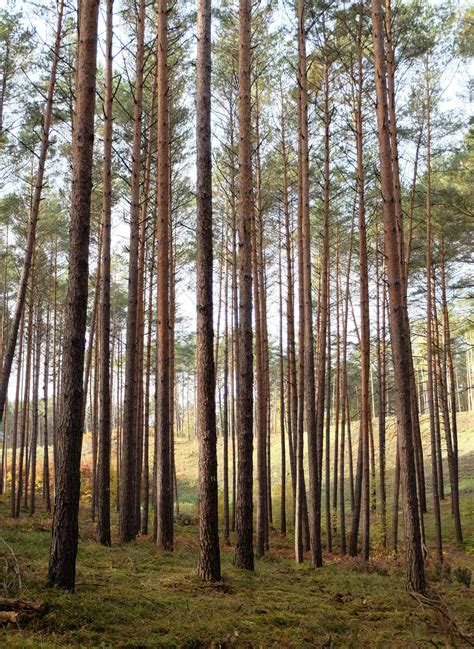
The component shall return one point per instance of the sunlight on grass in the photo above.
(136, 596)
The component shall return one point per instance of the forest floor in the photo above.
(136, 596)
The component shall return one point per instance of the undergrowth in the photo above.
(136, 596)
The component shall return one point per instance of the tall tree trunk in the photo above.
(398, 319)
(357, 490)
(337, 390)
(35, 404)
(328, 438)
(146, 459)
(244, 523)
(62, 560)
(345, 415)
(26, 392)
(266, 377)
(172, 370)
(56, 353)
(225, 420)
(209, 557)
(292, 394)
(164, 496)
(127, 513)
(381, 385)
(103, 502)
(429, 332)
(396, 502)
(442, 395)
(118, 420)
(451, 434)
(282, 387)
(261, 405)
(364, 306)
(13, 508)
(436, 399)
(314, 426)
(94, 406)
(390, 84)
(235, 319)
(140, 406)
(46, 472)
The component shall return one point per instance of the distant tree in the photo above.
(105, 432)
(244, 507)
(35, 203)
(127, 514)
(164, 495)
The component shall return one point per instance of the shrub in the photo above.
(463, 574)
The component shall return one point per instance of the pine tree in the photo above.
(244, 506)
(105, 432)
(398, 318)
(63, 552)
(209, 559)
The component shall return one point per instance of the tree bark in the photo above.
(127, 512)
(225, 418)
(345, 415)
(209, 556)
(261, 404)
(398, 318)
(390, 82)
(429, 334)
(364, 306)
(62, 559)
(164, 497)
(244, 506)
(281, 386)
(103, 486)
(35, 404)
(314, 422)
(13, 508)
(46, 472)
(451, 431)
(381, 385)
(25, 415)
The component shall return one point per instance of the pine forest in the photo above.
(236, 323)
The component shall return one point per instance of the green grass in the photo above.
(136, 596)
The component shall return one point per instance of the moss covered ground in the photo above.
(136, 596)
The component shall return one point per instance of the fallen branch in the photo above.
(12, 604)
(449, 627)
(13, 610)
(10, 617)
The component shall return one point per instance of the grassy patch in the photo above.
(135, 596)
